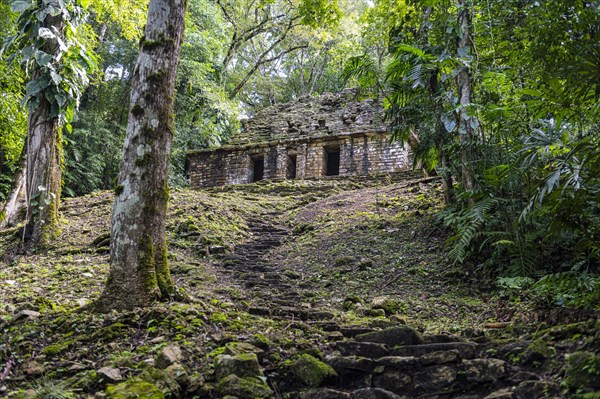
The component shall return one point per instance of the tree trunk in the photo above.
(43, 177)
(14, 209)
(465, 131)
(44, 160)
(139, 272)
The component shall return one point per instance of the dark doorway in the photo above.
(258, 169)
(333, 161)
(290, 173)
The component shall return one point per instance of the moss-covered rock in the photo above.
(309, 372)
(161, 379)
(389, 305)
(134, 389)
(537, 352)
(261, 341)
(242, 365)
(238, 348)
(244, 388)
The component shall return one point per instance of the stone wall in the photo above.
(358, 155)
(296, 140)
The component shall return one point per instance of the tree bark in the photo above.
(14, 209)
(43, 177)
(139, 271)
(465, 131)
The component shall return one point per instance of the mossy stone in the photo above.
(309, 371)
(242, 365)
(389, 305)
(395, 336)
(244, 388)
(134, 389)
(161, 379)
(238, 348)
(261, 341)
(537, 352)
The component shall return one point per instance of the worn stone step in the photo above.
(467, 350)
(394, 336)
(352, 332)
(322, 393)
(326, 325)
(363, 349)
(353, 371)
(374, 393)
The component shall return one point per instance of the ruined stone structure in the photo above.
(330, 135)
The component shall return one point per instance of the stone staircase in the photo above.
(400, 363)
(272, 291)
(374, 362)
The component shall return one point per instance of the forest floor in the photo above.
(335, 288)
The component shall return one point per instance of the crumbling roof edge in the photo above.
(271, 143)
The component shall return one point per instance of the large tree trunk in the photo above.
(44, 160)
(465, 131)
(43, 177)
(139, 272)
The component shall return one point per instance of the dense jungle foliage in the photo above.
(499, 98)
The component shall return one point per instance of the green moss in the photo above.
(103, 240)
(134, 389)
(539, 351)
(146, 264)
(52, 350)
(162, 380)
(244, 388)
(163, 274)
(309, 372)
(261, 341)
(147, 44)
(389, 305)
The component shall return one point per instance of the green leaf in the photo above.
(449, 122)
(20, 5)
(42, 58)
(56, 78)
(35, 86)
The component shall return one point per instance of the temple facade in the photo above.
(329, 135)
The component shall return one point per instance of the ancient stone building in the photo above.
(333, 134)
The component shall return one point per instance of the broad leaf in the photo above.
(449, 122)
(20, 5)
(42, 58)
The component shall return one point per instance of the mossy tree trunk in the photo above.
(139, 271)
(44, 159)
(43, 176)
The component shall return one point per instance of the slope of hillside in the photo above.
(308, 289)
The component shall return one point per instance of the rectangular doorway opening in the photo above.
(258, 169)
(332, 156)
(290, 172)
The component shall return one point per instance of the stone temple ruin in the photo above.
(329, 135)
